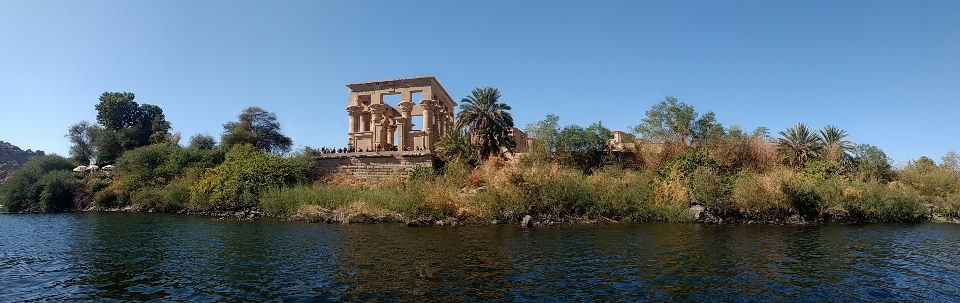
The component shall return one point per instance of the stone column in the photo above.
(365, 117)
(377, 111)
(405, 108)
(354, 113)
(427, 106)
(391, 128)
(442, 121)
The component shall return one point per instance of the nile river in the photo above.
(162, 257)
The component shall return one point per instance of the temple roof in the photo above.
(392, 83)
(399, 83)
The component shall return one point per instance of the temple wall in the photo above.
(373, 168)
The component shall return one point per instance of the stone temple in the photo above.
(378, 126)
(390, 140)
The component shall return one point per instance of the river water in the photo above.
(164, 257)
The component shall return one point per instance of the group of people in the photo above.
(378, 148)
(324, 150)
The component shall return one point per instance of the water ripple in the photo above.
(171, 258)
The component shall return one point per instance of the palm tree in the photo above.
(455, 147)
(802, 142)
(836, 148)
(487, 121)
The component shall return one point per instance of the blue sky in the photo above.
(888, 72)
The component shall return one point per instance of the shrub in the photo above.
(947, 206)
(43, 184)
(159, 164)
(760, 195)
(930, 179)
(437, 205)
(686, 163)
(422, 174)
(804, 199)
(99, 184)
(106, 198)
(502, 203)
(284, 202)
(173, 197)
(708, 187)
(245, 173)
(753, 153)
(672, 190)
(59, 189)
(879, 203)
(820, 170)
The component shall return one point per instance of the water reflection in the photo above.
(125, 257)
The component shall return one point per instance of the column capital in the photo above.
(427, 104)
(405, 108)
(353, 110)
(377, 109)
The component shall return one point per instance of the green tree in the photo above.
(202, 141)
(930, 179)
(872, 164)
(678, 122)
(800, 143)
(584, 148)
(107, 146)
(951, 162)
(117, 111)
(488, 123)
(544, 134)
(761, 132)
(82, 135)
(257, 127)
(127, 125)
(455, 147)
(593, 139)
(924, 164)
(836, 148)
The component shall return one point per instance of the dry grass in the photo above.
(357, 212)
(671, 191)
(761, 196)
(339, 178)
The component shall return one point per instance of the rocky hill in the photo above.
(12, 158)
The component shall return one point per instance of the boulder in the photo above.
(696, 211)
(526, 221)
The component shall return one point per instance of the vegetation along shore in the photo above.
(682, 166)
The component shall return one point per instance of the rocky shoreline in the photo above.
(360, 214)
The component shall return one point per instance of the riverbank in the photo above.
(539, 194)
(553, 194)
(362, 213)
(249, 184)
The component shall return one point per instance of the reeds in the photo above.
(493, 191)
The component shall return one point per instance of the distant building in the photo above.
(622, 141)
(523, 143)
